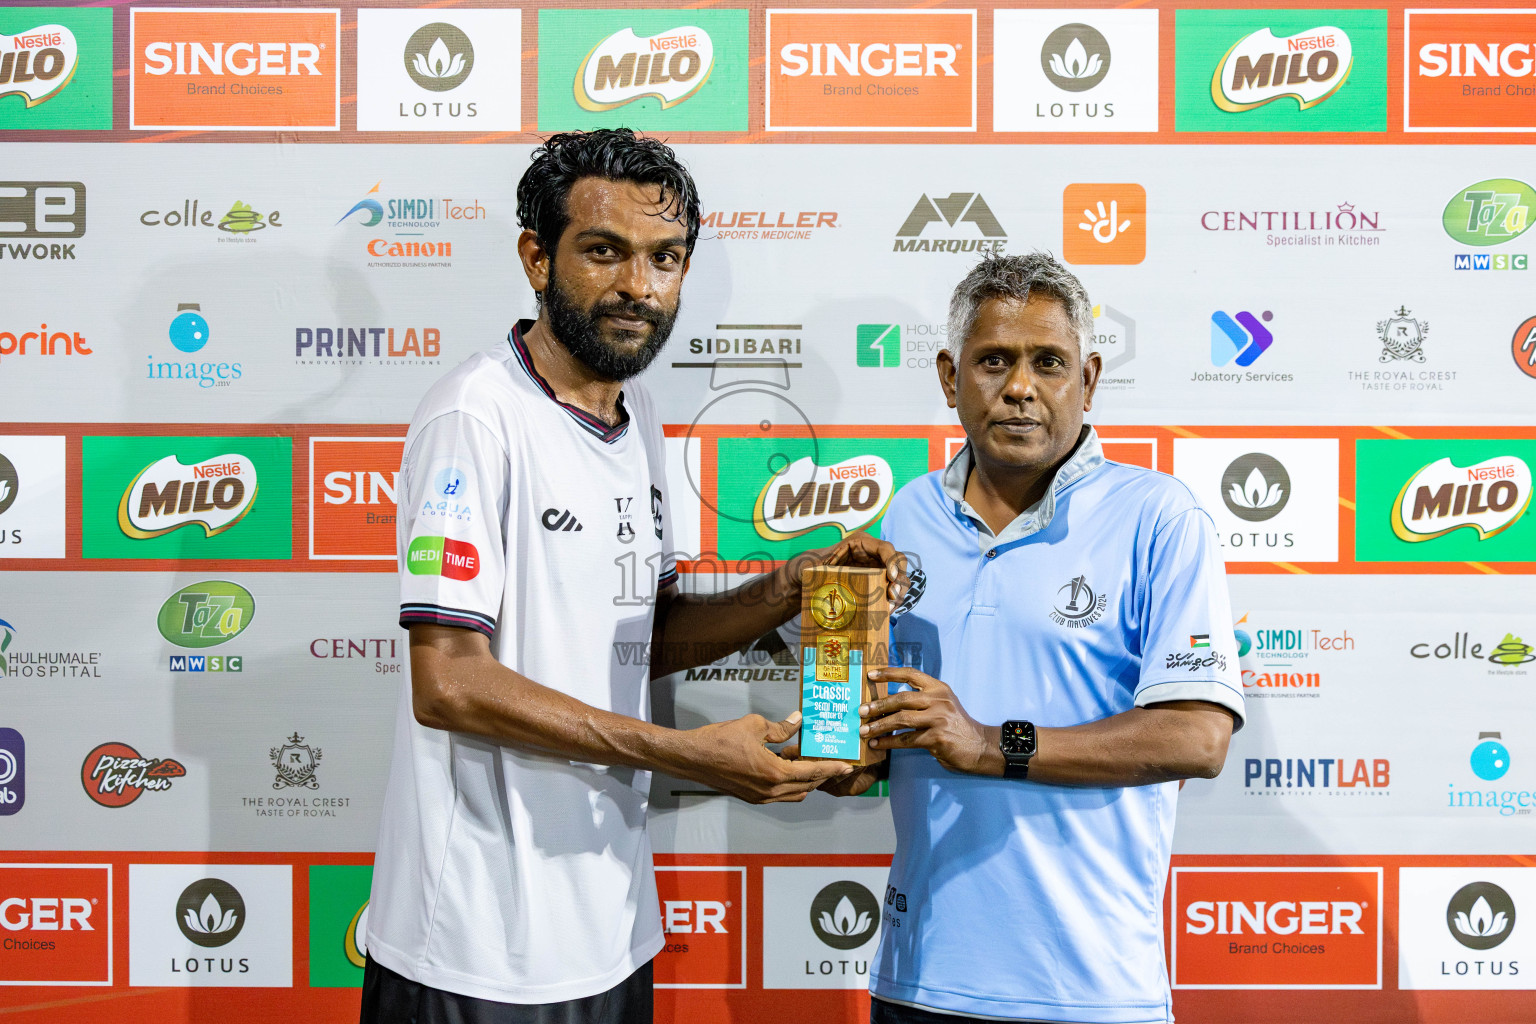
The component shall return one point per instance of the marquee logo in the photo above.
(1488, 497)
(169, 494)
(38, 64)
(115, 774)
(804, 496)
(55, 68)
(1261, 68)
(1490, 212)
(955, 208)
(1469, 70)
(206, 614)
(671, 67)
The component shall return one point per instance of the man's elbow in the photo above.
(435, 704)
(1207, 750)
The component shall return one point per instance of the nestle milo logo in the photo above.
(206, 614)
(804, 496)
(1488, 497)
(168, 494)
(670, 66)
(1489, 212)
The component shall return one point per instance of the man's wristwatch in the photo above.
(1017, 743)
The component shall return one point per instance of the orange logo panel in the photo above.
(703, 913)
(1470, 71)
(1104, 223)
(226, 70)
(57, 923)
(352, 496)
(871, 70)
(1278, 928)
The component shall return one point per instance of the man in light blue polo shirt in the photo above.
(1076, 612)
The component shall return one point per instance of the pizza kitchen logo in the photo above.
(115, 774)
(167, 495)
(671, 67)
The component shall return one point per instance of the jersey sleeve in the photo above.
(455, 487)
(1189, 651)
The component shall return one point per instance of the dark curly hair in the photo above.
(616, 154)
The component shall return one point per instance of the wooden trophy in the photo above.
(844, 632)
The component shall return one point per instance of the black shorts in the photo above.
(389, 998)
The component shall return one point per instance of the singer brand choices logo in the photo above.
(56, 920)
(1104, 223)
(1469, 70)
(647, 69)
(55, 67)
(1432, 501)
(187, 497)
(1281, 70)
(704, 915)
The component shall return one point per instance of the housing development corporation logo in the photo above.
(115, 774)
(1469, 70)
(952, 210)
(1104, 223)
(55, 68)
(1074, 70)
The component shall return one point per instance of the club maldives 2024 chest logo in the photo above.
(187, 497)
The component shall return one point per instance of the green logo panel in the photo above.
(1270, 83)
(111, 465)
(878, 345)
(747, 465)
(338, 895)
(650, 70)
(59, 77)
(1474, 508)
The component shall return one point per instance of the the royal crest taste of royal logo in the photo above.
(845, 627)
(1402, 337)
(295, 762)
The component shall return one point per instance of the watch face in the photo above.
(1018, 738)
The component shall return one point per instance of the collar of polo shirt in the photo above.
(1087, 456)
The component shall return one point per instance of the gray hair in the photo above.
(1018, 277)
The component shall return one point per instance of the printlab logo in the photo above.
(13, 771)
(1077, 605)
(296, 763)
(55, 68)
(1490, 758)
(1402, 337)
(1480, 915)
(844, 915)
(115, 774)
(1241, 339)
(1104, 223)
(439, 57)
(210, 912)
(952, 210)
(1255, 487)
(1487, 213)
(1075, 57)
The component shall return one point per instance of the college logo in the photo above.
(235, 69)
(1064, 74)
(41, 210)
(1276, 928)
(955, 208)
(1443, 497)
(1489, 212)
(338, 924)
(13, 764)
(1104, 223)
(1523, 347)
(417, 72)
(1268, 497)
(210, 912)
(1255, 487)
(239, 222)
(1077, 605)
(1402, 337)
(57, 923)
(876, 70)
(649, 69)
(115, 775)
(352, 497)
(55, 68)
(209, 925)
(704, 915)
(206, 614)
(1279, 70)
(1469, 70)
(805, 496)
(296, 763)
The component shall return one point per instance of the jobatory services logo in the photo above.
(1270, 498)
(241, 223)
(651, 70)
(32, 497)
(40, 213)
(1489, 213)
(1469, 70)
(704, 916)
(1460, 928)
(13, 767)
(210, 925)
(426, 70)
(338, 924)
(1104, 223)
(1276, 928)
(187, 497)
(115, 774)
(1074, 71)
(1281, 70)
(234, 69)
(820, 925)
(55, 68)
(353, 489)
(1241, 339)
(950, 211)
(57, 923)
(870, 70)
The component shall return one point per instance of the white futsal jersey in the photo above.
(502, 873)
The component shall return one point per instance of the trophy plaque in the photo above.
(844, 633)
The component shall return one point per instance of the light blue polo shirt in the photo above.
(1009, 898)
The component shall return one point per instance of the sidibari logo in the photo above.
(439, 57)
(206, 614)
(167, 495)
(804, 496)
(210, 912)
(671, 66)
(1480, 915)
(1488, 497)
(845, 915)
(1255, 487)
(1261, 68)
(1075, 57)
(1489, 212)
(37, 64)
(115, 774)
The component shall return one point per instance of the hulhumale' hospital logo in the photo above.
(671, 66)
(1480, 915)
(1260, 68)
(439, 57)
(1488, 497)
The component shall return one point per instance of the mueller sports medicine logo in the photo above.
(36, 65)
(56, 924)
(42, 212)
(167, 494)
(1260, 68)
(671, 67)
(115, 774)
(951, 210)
(234, 69)
(1469, 70)
(804, 496)
(1488, 498)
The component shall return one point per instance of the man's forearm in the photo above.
(696, 629)
(1139, 747)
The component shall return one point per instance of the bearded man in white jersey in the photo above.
(513, 882)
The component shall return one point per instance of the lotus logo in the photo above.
(1488, 497)
(38, 63)
(1480, 915)
(439, 57)
(10, 484)
(845, 915)
(671, 67)
(210, 912)
(803, 496)
(1075, 57)
(1261, 67)
(168, 494)
(1255, 487)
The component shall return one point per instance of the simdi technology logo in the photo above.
(1281, 71)
(55, 68)
(1469, 70)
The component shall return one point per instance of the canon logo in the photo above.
(231, 58)
(46, 915)
(1281, 917)
(1467, 60)
(827, 60)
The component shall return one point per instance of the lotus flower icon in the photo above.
(210, 912)
(439, 56)
(1484, 922)
(844, 920)
(212, 919)
(1255, 487)
(1255, 492)
(1076, 61)
(437, 62)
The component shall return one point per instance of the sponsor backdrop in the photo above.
(1305, 231)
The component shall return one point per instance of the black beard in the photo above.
(577, 329)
